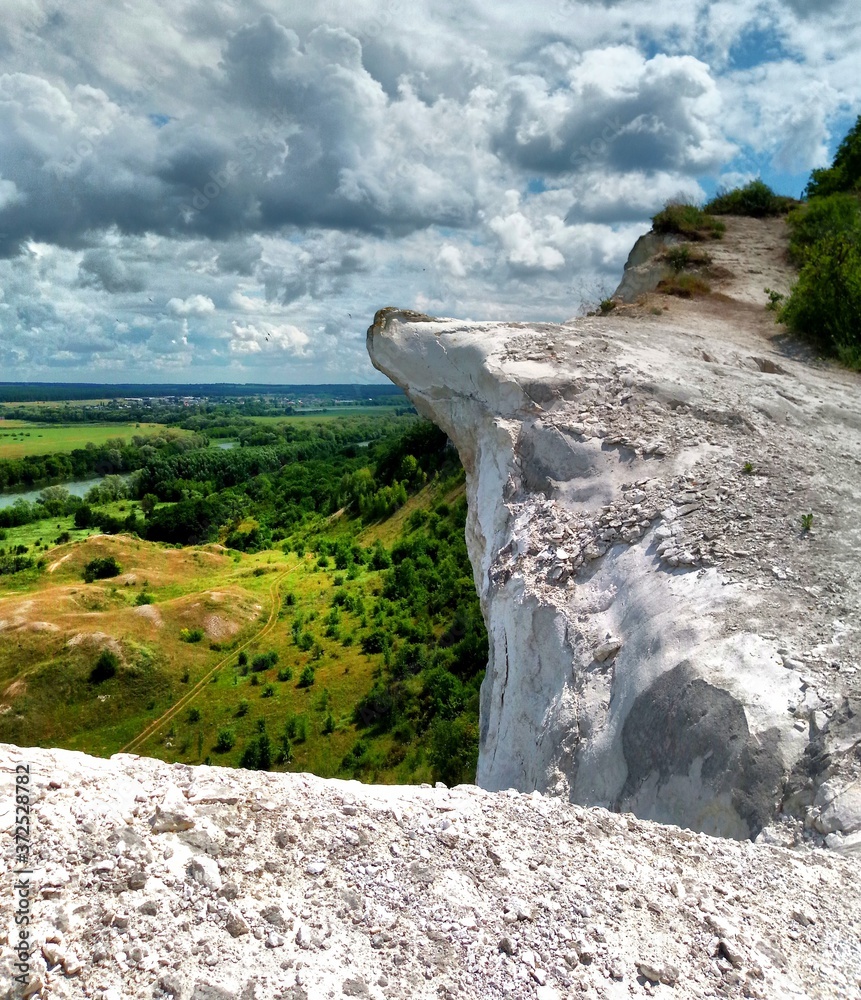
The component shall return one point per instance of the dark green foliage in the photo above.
(264, 661)
(191, 634)
(257, 756)
(285, 674)
(268, 691)
(101, 568)
(193, 715)
(14, 562)
(844, 174)
(431, 670)
(329, 725)
(242, 708)
(143, 598)
(825, 304)
(189, 522)
(755, 199)
(689, 221)
(105, 667)
(836, 214)
(453, 751)
(242, 659)
(226, 741)
(306, 678)
(83, 516)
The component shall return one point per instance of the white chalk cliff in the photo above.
(668, 635)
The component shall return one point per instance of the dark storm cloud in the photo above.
(295, 135)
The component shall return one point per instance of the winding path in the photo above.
(275, 595)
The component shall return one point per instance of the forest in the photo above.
(399, 603)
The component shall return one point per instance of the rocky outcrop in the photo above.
(665, 528)
(149, 881)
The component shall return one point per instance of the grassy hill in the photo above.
(272, 658)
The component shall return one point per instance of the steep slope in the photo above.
(668, 636)
(152, 881)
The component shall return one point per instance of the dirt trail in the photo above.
(754, 251)
(188, 697)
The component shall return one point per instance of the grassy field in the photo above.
(171, 698)
(331, 413)
(19, 438)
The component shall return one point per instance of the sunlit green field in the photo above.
(19, 438)
(331, 413)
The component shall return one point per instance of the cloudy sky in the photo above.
(226, 190)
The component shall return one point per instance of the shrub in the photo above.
(684, 256)
(268, 691)
(306, 678)
(255, 680)
(191, 634)
(825, 303)
(844, 174)
(688, 220)
(755, 199)
(101, 569)
(62, 538)
(264, 661)
(194, 715)
(257, 756)
(453, 752)
(242, 708)
(105, 668)
(84, 516)
(143, 598)
(242, 659)
(329, 725)
(285, 674)
(808, 224)
(685, 286)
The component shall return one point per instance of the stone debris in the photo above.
(537, 899)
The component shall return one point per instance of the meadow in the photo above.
(19, 438)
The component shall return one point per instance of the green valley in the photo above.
(301, 601)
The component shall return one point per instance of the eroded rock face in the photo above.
(667, 635)
(291, 887)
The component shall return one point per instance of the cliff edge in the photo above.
(671, 632)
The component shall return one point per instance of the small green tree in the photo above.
(148, 503)
(306, 678)
(102, 568)
(225, 741)
(105, 667)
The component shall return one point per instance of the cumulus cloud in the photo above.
(255, 339)
(168, 167)
(194, 305)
